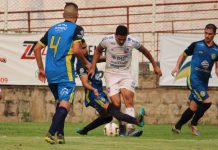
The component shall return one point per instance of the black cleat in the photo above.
(81, 131)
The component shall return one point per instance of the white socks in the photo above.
(130, 111)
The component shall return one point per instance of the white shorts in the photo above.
(117, 81)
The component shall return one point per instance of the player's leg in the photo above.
(194, 87)
(202, 108)
(102, 119)
(201, 97)
(111, 109)
(127, 88)
(66, 95)
(186, 116)
(50, 137)
(116, 101)
(97, 104)
(128, 101)
(60, 134)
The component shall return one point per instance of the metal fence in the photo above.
(145, 19)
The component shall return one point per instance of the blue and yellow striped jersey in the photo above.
(203, 58)
(59, 64)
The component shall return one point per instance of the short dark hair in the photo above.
(70, 3)
(121, 30)
(211, 26)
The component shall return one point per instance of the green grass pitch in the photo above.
(30, 136)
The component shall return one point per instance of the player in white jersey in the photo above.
(119, 82)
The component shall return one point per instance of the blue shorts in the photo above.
(97, 102)
(199, 92)
(63, 91)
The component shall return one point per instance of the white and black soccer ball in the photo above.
(111, 129)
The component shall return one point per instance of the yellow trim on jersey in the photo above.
(188, 79)
(72, 96)
(184, 54)
(42, 44)
(99, 101)
(69, 66)
(199, 96)
(76, 41)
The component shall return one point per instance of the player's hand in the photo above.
(88, 67)
(4, 60)
(42, 76)
(96, 92)
(91, 72)
(174, 72)
(157, 71)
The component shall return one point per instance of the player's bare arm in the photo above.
(96, 56)
(102, 59)
(38, 56)
(179, 62)
(78, 53)
(85, 81)
(148, 55)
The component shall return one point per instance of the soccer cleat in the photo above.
(141, 117)
(195, 130)
(176, 131)
(81, 131)
(50, 139)
(60, 139)
(135, 133)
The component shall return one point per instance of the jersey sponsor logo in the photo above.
(64, 91)
(200, 52)
(126, 50)
(205, 64)
(213, 56)
(29, 50)
(202, 93)
(81, 70)
(61, 28)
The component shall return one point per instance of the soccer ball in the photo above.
(111, 129)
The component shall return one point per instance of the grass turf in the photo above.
(30, 136)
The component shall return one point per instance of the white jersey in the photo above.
(118, 58)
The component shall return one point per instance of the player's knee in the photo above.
(117, 105)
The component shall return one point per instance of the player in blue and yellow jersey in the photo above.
(96, 98)
(204, 55)
(63, 42)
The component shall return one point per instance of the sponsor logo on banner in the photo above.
(29, 50)
(3, 80)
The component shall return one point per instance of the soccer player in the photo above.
(204, 54)
(63, 41)
(2, 59)
(96, 98)
(119, 82)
